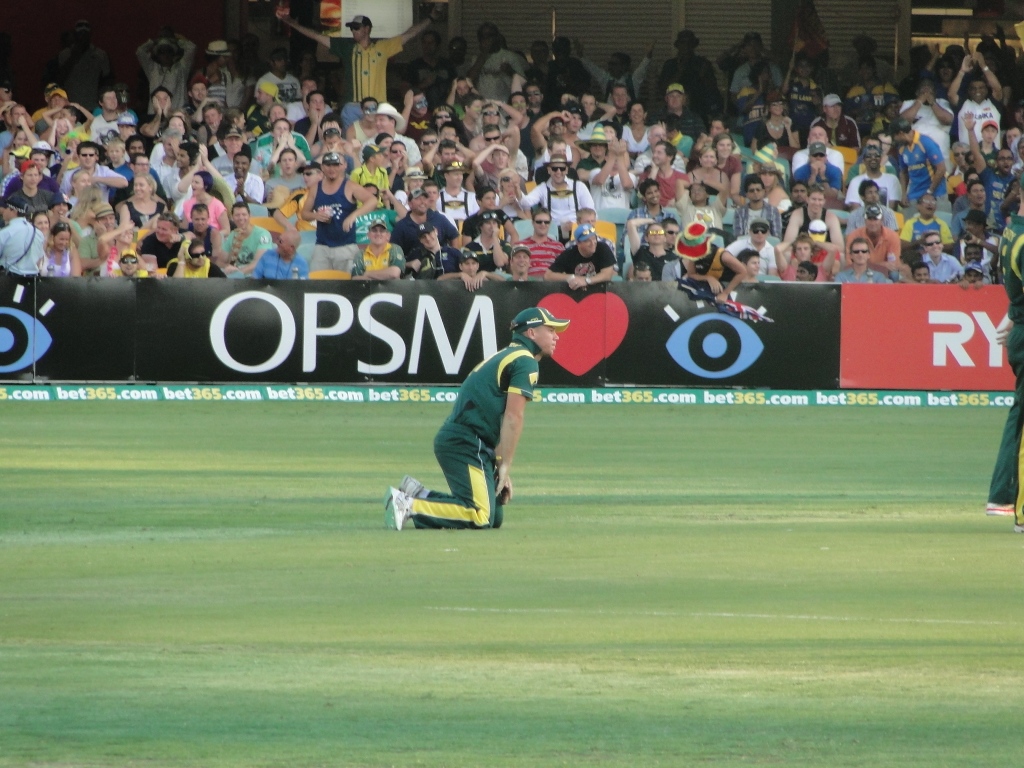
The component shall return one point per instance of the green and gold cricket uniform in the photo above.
(465, 444)
(1005, 488)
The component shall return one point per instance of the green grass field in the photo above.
(212, 585)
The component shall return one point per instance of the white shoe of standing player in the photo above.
(412, 487)
(999, 510)
(397, 509)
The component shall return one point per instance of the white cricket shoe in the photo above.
(1018, 529)
(412, 487)
(397, 509)
(999, 510)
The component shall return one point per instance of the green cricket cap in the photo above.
(537, 316)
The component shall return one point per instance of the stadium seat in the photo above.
(530, 185)
(305, 250)
(524, 227)
(329, 274)
(161, 271)
(237, 275)
(614, 215)
(899, 220)
(849, 155)
(269, 224)
(258, 210)
(843, 216)
(606, 230)
(142, 234)
(945, 216)
(308, 236)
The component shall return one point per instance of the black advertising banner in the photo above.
(648, 334)
(23, 339)
(93, 327)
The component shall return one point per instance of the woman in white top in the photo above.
(60, 258)
(635, 134)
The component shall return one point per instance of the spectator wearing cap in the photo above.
(429, 260)
(560, 195)
(413, 178)
(380, 260)
(756, 209)
(127, 126)
(922, 167)
(487, 200)
(493, 252)
(884, 244)
(917, 227)
(373, 170)
(979, 99)
(974, 274)
(406, 231)
(842, 130)
(588, 262)
(287, 84)
(995, 178)
(756, 239)
(875, 173)
(335, 207)
(232, 144)
(977, 201)
(470, 273)
(21, 244)
(677, 106)
(519, 264)
(860, 269)
(83, 66)
(820, 172)
(128, 266)
(195, 262)
(365, 60)
(167, 62)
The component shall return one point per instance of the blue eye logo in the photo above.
(21, 331)
(714, 346)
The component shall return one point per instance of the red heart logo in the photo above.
(598, 326)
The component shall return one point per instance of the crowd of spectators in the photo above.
(499, 165)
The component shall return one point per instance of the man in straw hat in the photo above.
(476, 445)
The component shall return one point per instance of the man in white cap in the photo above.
(476, 445)
(841, 129)
(364, 59)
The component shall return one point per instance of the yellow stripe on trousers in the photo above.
(478, 515)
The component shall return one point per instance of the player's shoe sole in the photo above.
(411, 487)
(394, 511)
(999, 510)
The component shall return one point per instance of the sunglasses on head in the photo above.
(129, 260)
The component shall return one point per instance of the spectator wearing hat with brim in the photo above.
(224, 84)
(21, 244)
(589, 262)
(455, 201)
(493, 252)
(608, 169)
(364, 60)
(167, 61)
(82, 66)
(390, 121)
(560, 195)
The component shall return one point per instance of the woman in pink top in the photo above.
(202, 183)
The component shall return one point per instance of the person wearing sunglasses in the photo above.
(563, 196)
(859, 270)
(128, 266)
(197, 263)
(88, 156)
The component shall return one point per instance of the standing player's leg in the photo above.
(1005, 487)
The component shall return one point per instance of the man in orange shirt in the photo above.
(885, 245)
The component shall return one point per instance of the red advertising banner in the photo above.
(923, 337)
